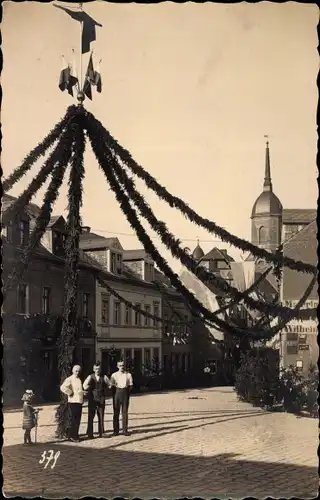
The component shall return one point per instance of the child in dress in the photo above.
(29, 416)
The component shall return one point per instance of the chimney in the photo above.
(86, 229)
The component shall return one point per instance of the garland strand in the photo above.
(43, 218)
(38, 151)
(105, 160)
(67, 339)
(176, 202)
(174, 246)
(25, 198)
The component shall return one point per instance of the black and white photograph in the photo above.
(159, 249)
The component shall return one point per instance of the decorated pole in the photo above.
(69, 333)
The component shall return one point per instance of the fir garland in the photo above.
(67, 339)
(205, 276)
(25, 198)
(176, 202)
(43, 218)
(106, 160)
(38, 151)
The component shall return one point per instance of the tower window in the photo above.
(262, 235)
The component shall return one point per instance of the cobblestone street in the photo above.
(185, 443)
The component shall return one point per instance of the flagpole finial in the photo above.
(81, 97)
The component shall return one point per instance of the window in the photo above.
(116, 313)
(183, 362)
(46, 300)
(127, 316)
(292, 349)
(23, 298)
(262, 235)
(58, 242)
(156, 312)
(156, 359)
(292, 336)
(119, 263)
(85, 305)
(105, 310)
(137, 316)
(23, 232)
(147, 359)
(9, 233)
(146, 318)
(113, 263)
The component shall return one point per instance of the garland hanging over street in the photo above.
(173, 244)
(190, 214)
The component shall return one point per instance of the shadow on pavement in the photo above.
(113, 473)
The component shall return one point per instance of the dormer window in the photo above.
(119, 263)
(23, 232)
(113, 263)
(58, 241)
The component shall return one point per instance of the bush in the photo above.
(257, 382)
(257, 379)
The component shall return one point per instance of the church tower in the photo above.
(266, 216)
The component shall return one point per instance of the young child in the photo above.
(29, 416)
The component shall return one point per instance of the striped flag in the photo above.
(97, 78)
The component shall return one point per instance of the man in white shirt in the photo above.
(96, 386)
(72, 387)
(121, 382)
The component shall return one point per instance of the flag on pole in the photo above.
(88, 26)
(64, 81)
(74, 81)
(97, 78)
(89, 79)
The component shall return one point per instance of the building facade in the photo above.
(123, 332)
(40, 294)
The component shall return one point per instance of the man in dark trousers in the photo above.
(96, 388)
(121, 383)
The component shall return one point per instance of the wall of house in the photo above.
(124, 336)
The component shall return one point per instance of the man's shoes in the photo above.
(115, 434)
(126, 433)
(75, 440)
(90, 436)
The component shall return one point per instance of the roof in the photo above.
(298, 215)
(218, 254)
(198, 253)
(302, 246)
(139, 254)
(91, 241)
(266, 203)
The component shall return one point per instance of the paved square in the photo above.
(199, 442)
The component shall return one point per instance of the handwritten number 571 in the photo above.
(49, 456)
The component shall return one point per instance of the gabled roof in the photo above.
(139, 254)
(298, 215)
(302, 246)
(218, 254)
(92, 241)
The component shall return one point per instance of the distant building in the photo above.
(296, 229)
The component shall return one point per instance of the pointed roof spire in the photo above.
(267, 185)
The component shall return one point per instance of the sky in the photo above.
(190, 89)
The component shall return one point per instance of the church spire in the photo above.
(267, 185)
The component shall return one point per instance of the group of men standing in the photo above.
(96, 387)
